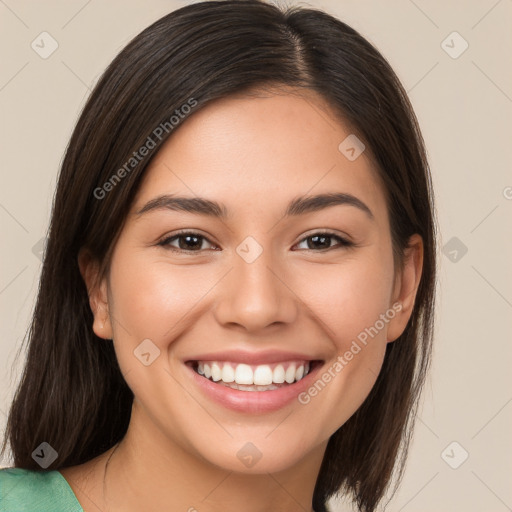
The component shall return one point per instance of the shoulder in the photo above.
(24, 490)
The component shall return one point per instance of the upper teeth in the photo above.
(259, 375)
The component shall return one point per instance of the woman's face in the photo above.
(266, 283)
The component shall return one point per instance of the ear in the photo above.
(406, 287)
(97, 291)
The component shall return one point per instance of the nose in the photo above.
(256, 295)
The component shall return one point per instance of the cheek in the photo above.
(352, 306)
(349, 298)
(141, 294)
(154, 299)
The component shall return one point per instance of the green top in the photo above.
(24, 490)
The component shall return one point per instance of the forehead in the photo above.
(261, 149)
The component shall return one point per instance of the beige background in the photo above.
(464, 106)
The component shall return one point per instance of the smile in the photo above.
(253, 377)
(253, 388)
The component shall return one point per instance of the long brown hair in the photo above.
(72, 393)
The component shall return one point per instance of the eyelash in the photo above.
(343, 242)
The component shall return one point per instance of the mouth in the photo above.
(250, 377)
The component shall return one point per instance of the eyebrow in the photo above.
(298, 206)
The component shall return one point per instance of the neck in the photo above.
(147, 471)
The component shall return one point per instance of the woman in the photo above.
(236, 302)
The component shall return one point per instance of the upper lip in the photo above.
(254, 358)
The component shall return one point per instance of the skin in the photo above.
(254, 154)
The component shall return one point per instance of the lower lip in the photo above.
(253, 401)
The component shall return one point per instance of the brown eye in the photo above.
(186, 241)
(322, 241)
